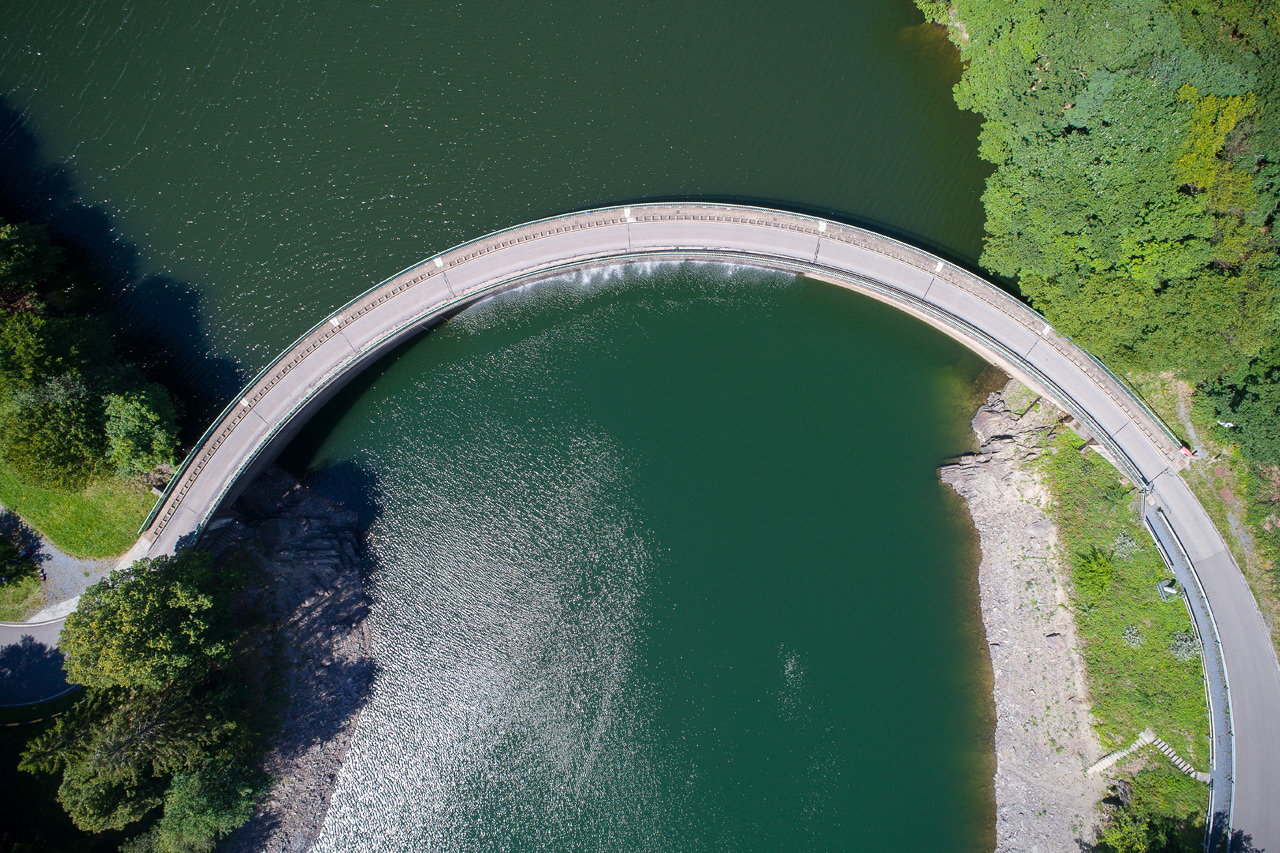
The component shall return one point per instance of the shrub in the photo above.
(1094, 571)
(203, 807)
(1125, 545)
(53, 434)
(1184, 646)
(141, 430)
(1249, 400)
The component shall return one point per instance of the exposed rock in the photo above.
(310, 550)
(1043, 740)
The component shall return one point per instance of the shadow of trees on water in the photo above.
(157, 320)
(310, 548)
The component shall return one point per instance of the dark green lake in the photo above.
(660, 559)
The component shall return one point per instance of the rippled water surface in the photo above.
(250, 166)
(661, 562)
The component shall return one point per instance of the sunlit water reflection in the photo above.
(628, 534)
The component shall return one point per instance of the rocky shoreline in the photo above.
(314, 601)
(1043, 739)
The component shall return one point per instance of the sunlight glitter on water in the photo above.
(597, 623)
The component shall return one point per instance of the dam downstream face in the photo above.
(660, 561)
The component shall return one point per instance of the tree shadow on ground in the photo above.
(156, 319)
(26, 539)
(30, 672)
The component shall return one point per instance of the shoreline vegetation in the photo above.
(1085, 654)
(1134, 199)
(83, 434)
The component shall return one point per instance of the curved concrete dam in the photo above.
(996, 326)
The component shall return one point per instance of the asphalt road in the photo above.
(982, 317)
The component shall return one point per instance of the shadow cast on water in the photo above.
(156, 320)
(311, 550)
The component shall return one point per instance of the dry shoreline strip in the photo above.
(1043, 739)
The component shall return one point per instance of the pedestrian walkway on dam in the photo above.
(990, 322)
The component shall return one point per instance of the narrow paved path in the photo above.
(30, 664)
(988, 321)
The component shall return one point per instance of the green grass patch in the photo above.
(1020, 399)
(100, 521)
(1159, 393)
(1128, 635)
(20, 597)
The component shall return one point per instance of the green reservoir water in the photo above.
(659, 557)
(662, 562)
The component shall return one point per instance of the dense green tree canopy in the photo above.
(140, 428)
(69, 409)
(1135, 145)
(115, 751)
(148, 625)
(167, 721)
(53, 433)
(1246, 403)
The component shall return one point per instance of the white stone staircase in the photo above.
(1147, 737)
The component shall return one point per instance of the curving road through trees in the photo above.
(996, 326)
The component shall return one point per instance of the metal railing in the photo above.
(920, 259)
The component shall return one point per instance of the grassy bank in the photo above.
(1240, 495)
(20, 598)
(102, 520)
(1141, 655)
(1129, 636)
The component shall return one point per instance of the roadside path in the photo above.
(30, 663)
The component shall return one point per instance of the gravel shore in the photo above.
(315, 598)
(1044, 801)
